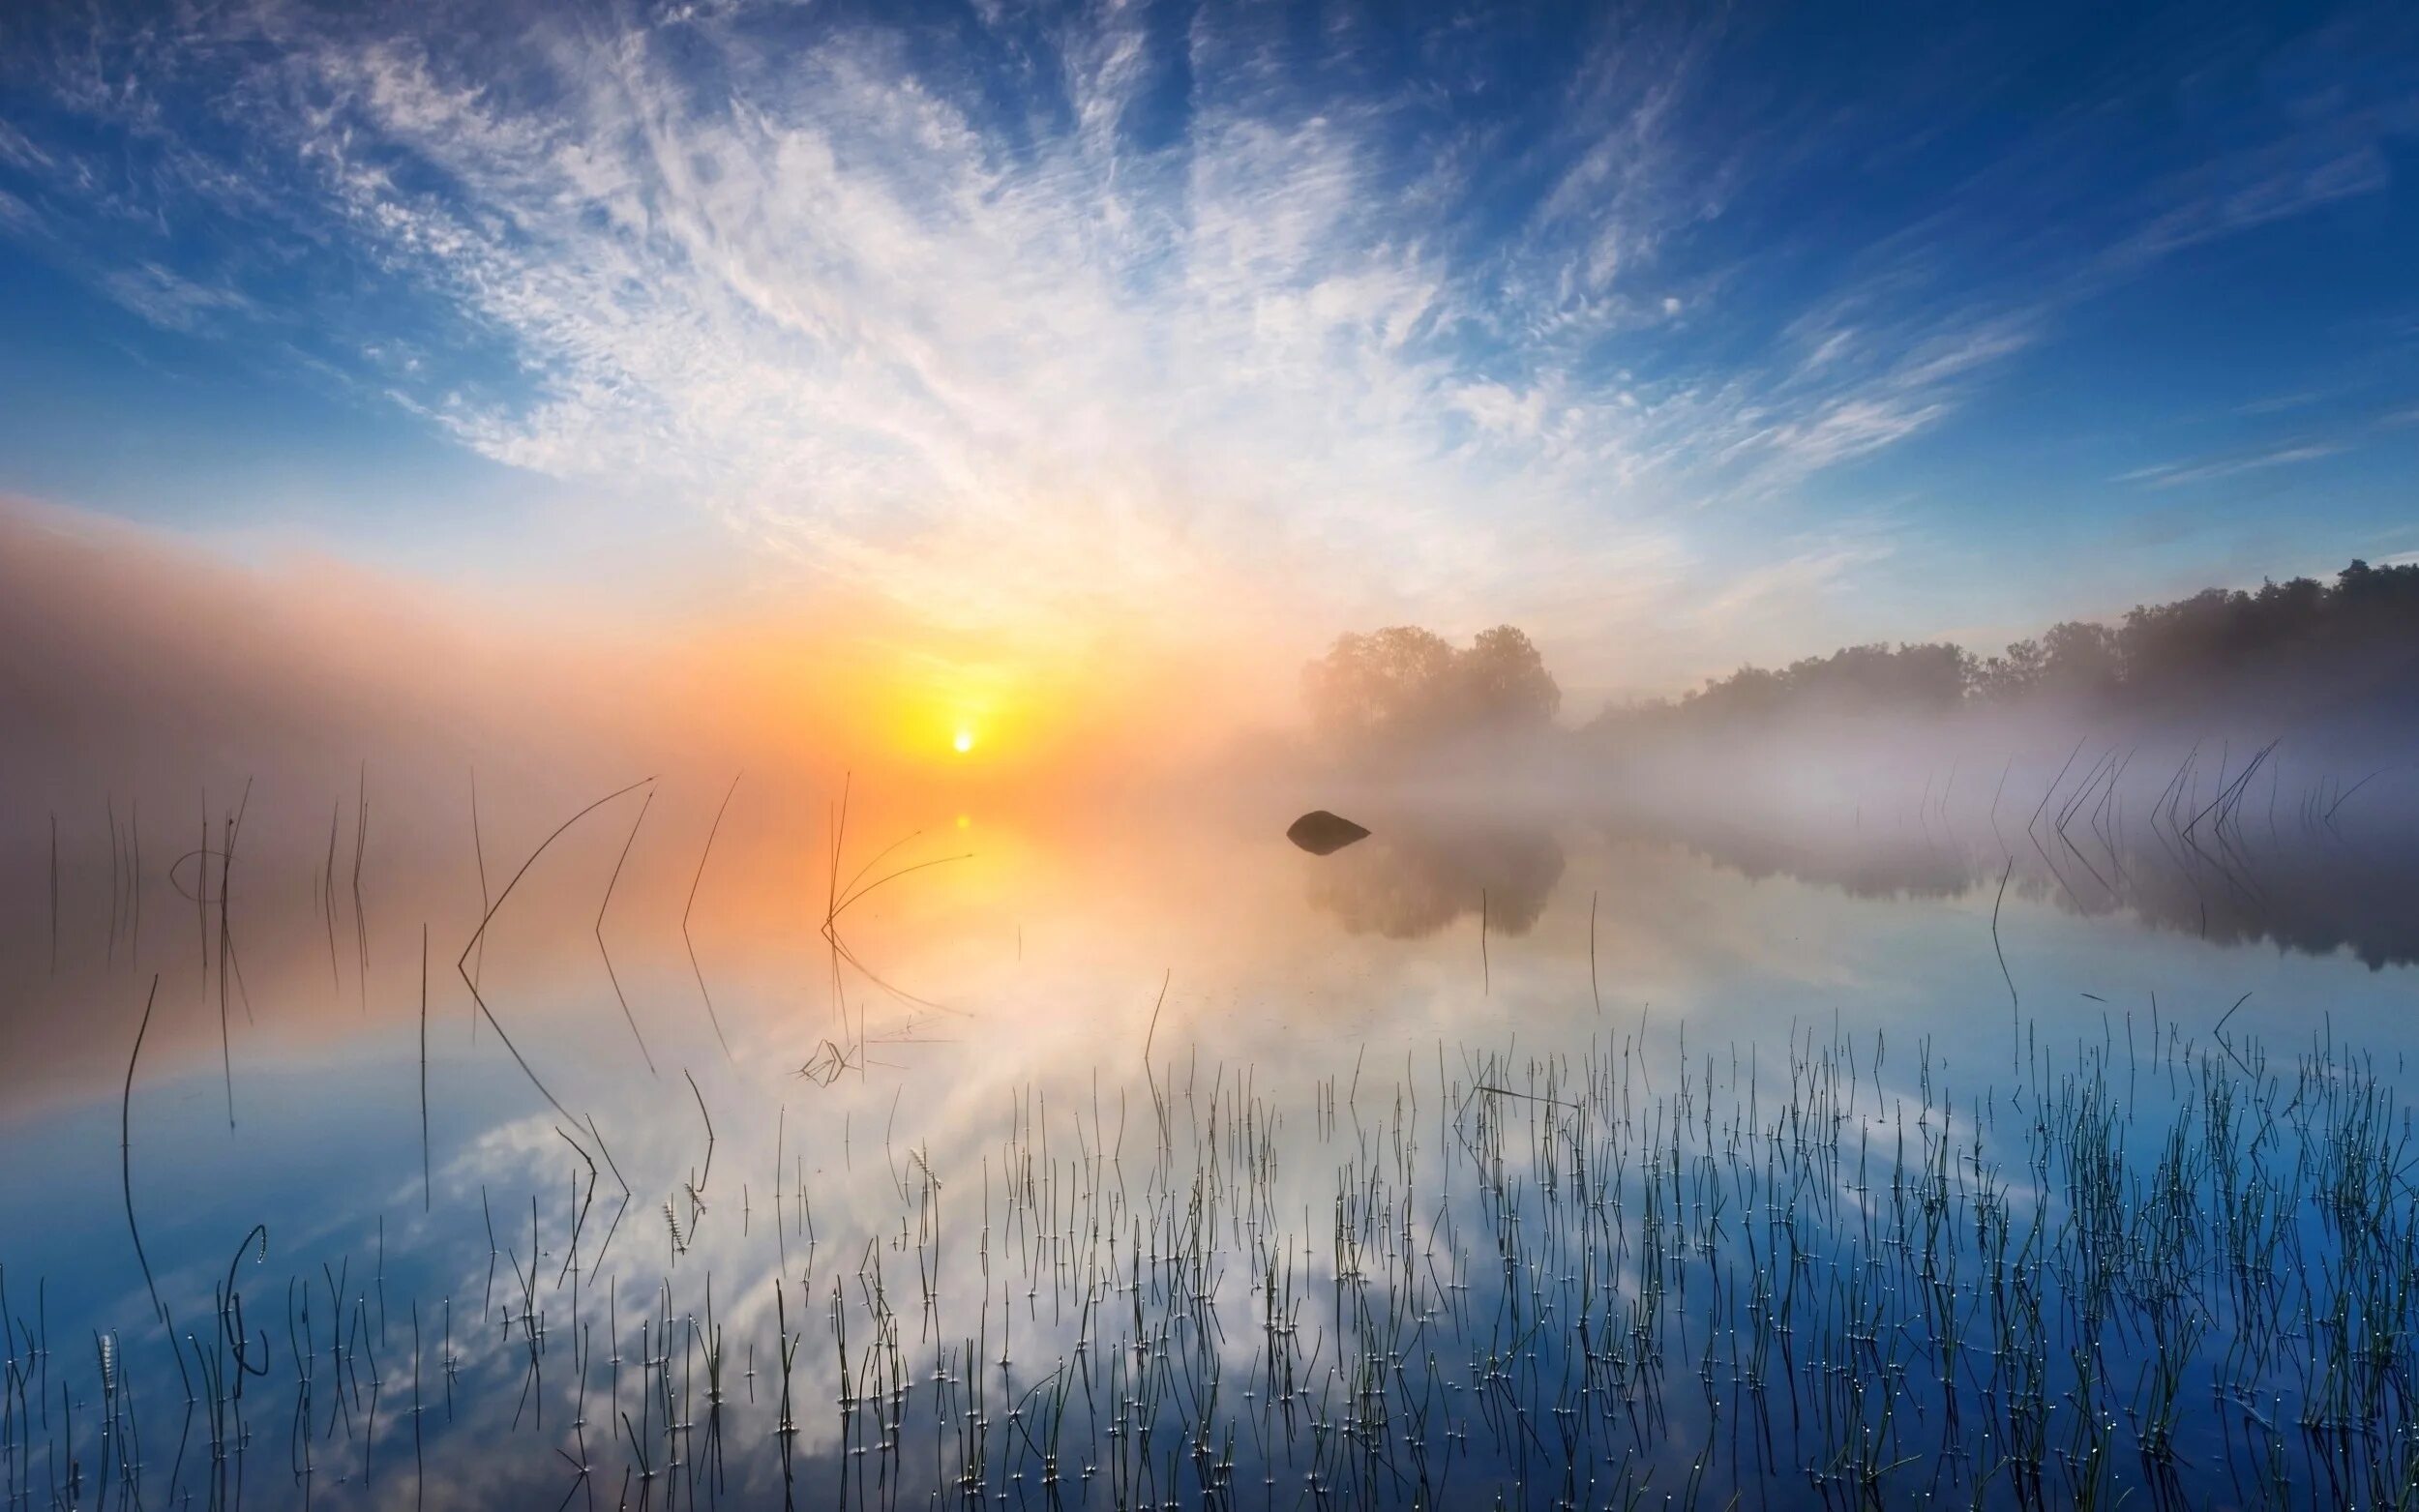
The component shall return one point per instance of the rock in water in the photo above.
(1323, 834)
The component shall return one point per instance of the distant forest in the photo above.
(2295, 650)
(2295, 645)
(1405, 690)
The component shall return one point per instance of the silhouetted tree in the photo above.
(1405, 687)
(2014, 675)
(2082, 658)
(2354, 641)
(1503, 681)
(1931, 676)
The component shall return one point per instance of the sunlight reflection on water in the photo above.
(1420, 1185)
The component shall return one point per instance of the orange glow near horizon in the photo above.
(1010, 714)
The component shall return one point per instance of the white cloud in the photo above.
(170, 300)
(1004, 366)
(2172, 475)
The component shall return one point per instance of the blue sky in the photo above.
(1679, 335)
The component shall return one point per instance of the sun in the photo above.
(963, 742)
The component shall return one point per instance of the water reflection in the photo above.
(1125, 1178)
(2315, 892)
(1417, 877)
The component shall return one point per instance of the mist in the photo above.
(389, 754)
(2234, 765)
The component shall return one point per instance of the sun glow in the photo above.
(963, 742)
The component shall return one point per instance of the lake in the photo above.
(911, 1153)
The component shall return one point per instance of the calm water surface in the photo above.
(1149, 1161)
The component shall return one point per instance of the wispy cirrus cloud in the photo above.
(1023, 323)
(2174, 475)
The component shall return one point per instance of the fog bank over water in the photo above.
(147, 666)
(412, 943)
(2234, 765)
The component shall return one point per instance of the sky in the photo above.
(998, 337)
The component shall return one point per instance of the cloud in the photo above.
(2172, 475)
(1082, 322)
(172, 301)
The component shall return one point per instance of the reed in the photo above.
(1630, 1270)
(687, 940)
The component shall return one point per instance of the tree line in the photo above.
(2355, 642)
(1405, 689)
(2357, 636)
